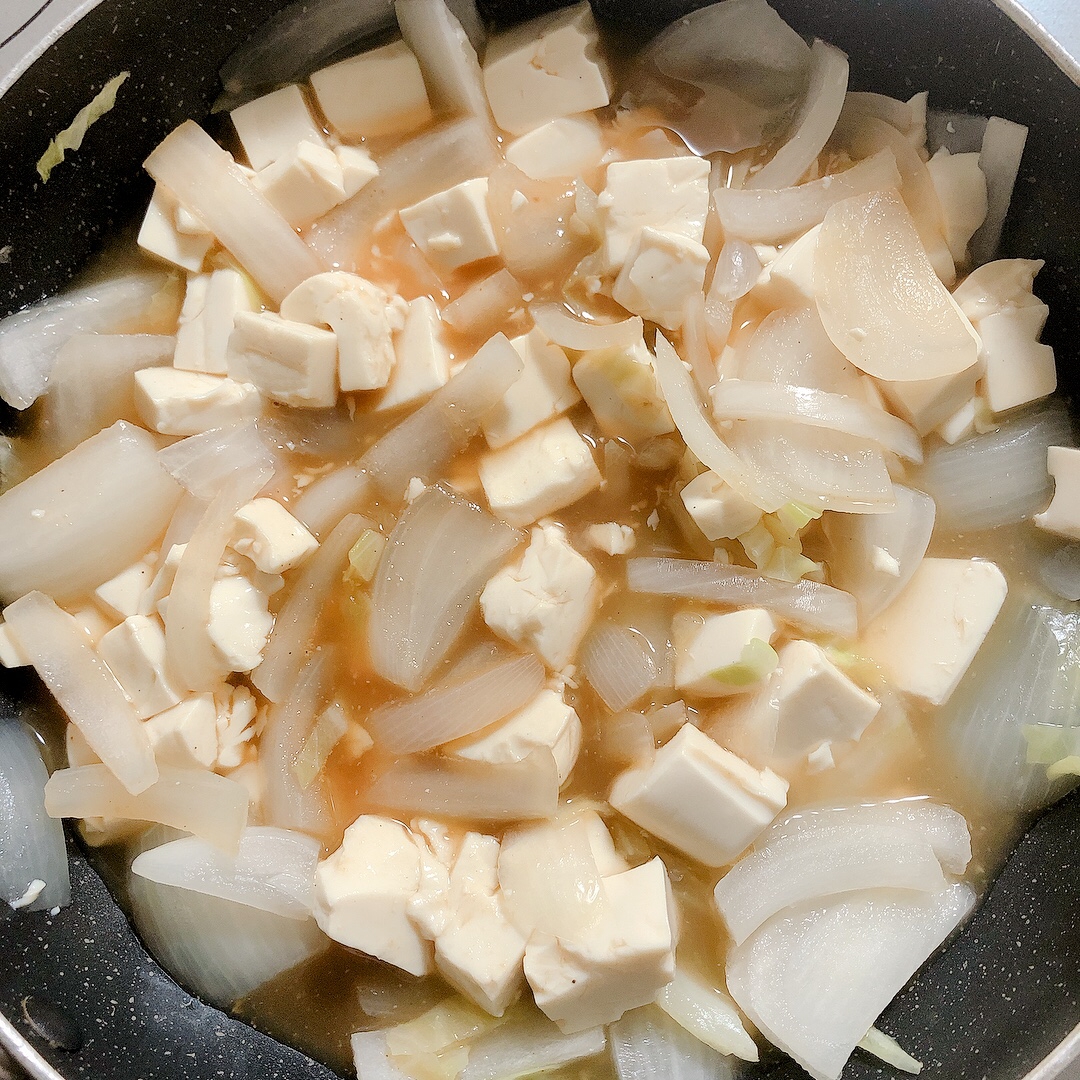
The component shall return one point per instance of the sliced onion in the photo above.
(85, 689)
(189, 512)
(453, 711)
(483, 306)
(814, 123)
(1002, 149)
(571, 333)
(32, 842)
(998, 478)
(1059, 571)
(208, 183)
(203, 462)
(708, 1014)
(526, 1046)
(771, 217)
(814, 980)
(737, 270)
(891, 110)
(437, 560)
(327, 500)
(619, 664)
(209, 806)
(806, 604)
(273, 870)
(646, 1043)
(887, 1049)
(696, 344)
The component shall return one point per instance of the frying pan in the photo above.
(78, 994)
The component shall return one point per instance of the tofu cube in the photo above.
(362, 891)
(546, 469)
(927, 637)
(185, 736)
(1062, 516)
(660, 274)
(611, 538)
(11, 652)
(271, 126)
(926, 403)
(271, 537)
(1019, 368)
(122, 595)
(546, 68)
(566, 147)
(788, 280)
(452, 228)
(546, 601)
(960, 424)
(303, 184)
(421, 358)
(543, 391)
(240, 622)
(175, 402)
(160, 234)
(961, 190)
(718, 510)
(379, 92)
(700, 798)
(135, 653)
(711, 651)
(357, 168)
(211, 304)
(288, 361)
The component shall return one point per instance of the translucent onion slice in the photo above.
(879, 298)
(209, 806)
(32, 842)
(742, 399)
(325, 502)
(646, 1043)
(438, 558)
(85, 689)
(708, 1014)
(619, 664)
(999, 158)
(203, 462)
(891, 110)
(273, 870)
(1059, 571)
(453, 711)
(806, 604)
(571, 333)
(527, 1045)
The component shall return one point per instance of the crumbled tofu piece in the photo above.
(718, 510)
(710, 650)
(661, 272)
(546, 469)
(237, 721)
(271, 537)
(565, 147)
(362, 315)
(788, 280)
(421, 357)
(379, 92)
(700, 798)
(611, 538)
(452, 228)
(669, 195)
(288, 361)
(211, 304)
(186, 735)
(544, 69)
(161, 235)
(240, 622)
(546, 601)
(414, 489)
(11, 653)
(135, 654)
(543, 391)
(620, 963)
(927, 637)
(307, 182)
(175, 402)
(1062, 516)
(271, 126)
(619, 386)
(961, 190)
(362, 891)
(925, 403)
(547, 723)
(122, 595)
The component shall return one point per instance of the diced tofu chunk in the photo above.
(960, 424)
(788, 280)
(185, 736)
(421, 357)
(122, 595)
(961, 189)
(161, 235)
(544, 69)
(309, 181)
(926, 638)
(925, 403)
(379, 92)
(271, 537)
(11, 653)
(271, 126)
(543, 391)
(452, 228)
(566, 147)
(662, 271)
(288, 361)
(362, 891)
(135, 654)
(175, 402)
(237, 712)
(546, 601)
(1062, 516)
(357, 168)
(611, 538)
(543, 471)
(718, 510)
(211, 304)
(700, 798)
(240, 622)
(711, 651)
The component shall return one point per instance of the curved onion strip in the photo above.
(647, 1043)
(618, 663)
(999, 158)
(528, 1045)
(741, 399)
(563, 329)
(708, 1014)
(814, 123)
(326, 501)
(891, 110)
(203, 462)
(807, 604)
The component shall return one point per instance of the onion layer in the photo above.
(619, 664)
(646, 1043)
(563, 329)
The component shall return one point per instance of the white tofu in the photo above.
(543, 391)
(271, 537)
(237, 713)
(546, 68)
(546, 601)
(1019, 368)
(122, 595)
(175, 402)
(611, 538)
(303, 184)
(927, 637)
(185, 736)
(718, 510)
(546, 469)
(788, 280)
(362, 891)
(211, 304)
(379, 92)
(135, 653)
(11, 652)
(421, 357)
(700, 798)
(960, 424)
(93, 622)
(288, 361)
(662, 271)
(565, 147)
(709, 650)
(240, 622)
(926, 403)
(364, 318)
(272, 125)
(619, 386)
(961, 190)
(160, 235)
(452, 228)
(670, 195)
(547, 723)
(620, 963)
(1062, 516)
(357, 168)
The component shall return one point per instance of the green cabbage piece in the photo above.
(71, 138)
